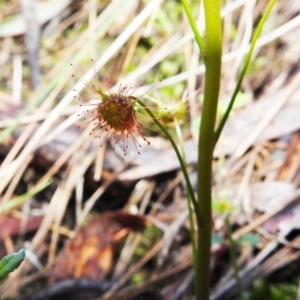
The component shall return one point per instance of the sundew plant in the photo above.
(115, 115)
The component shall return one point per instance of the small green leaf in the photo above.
(11, 262)
(222, 206)
(252, 239)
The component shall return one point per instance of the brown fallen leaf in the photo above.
(90, 254)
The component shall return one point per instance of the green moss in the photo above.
(150, 235)
(283, 291)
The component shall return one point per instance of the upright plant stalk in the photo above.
(212, 60)
(212, 51)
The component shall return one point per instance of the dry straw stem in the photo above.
(153, 251)
(90, 202)
(137, 202)
(65, 190)
(241, 41)
(270, 114)
(281, 31)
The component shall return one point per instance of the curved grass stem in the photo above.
(183, 166)
(193, 24)
(256, 35)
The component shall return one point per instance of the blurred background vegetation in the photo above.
(55, 177)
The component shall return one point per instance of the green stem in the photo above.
(256, 35)
(192, 228)
(190, 191)
(193, 24)
(233, 259)
(190, 208)
(212, 62)
(207, 137)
